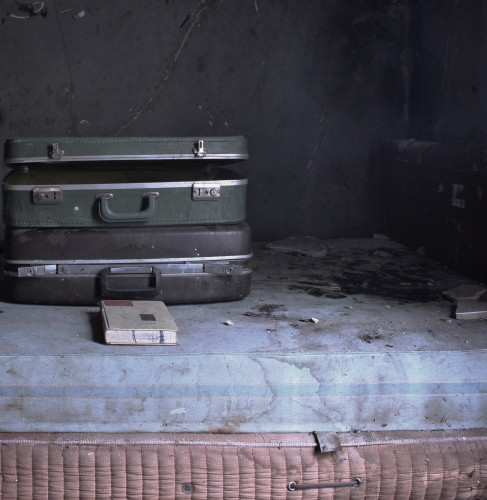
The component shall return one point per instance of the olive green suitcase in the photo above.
(102, 182)
(29, 150)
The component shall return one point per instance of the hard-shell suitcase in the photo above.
(148, 196)
(100, 182)
(29, 150)
(182, 264)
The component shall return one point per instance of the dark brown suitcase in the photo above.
(78, 266)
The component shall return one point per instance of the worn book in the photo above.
(137, 322)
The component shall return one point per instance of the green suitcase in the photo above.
(28, 150)
(97, 182)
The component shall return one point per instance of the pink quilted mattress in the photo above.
(401, 465)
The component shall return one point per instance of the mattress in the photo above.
(388, 465)
(347, 363)
(362, 338)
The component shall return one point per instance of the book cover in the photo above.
(137, 322)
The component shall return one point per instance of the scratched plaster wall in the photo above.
(314, 86)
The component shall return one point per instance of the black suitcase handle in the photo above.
(129, 293)
(108, 215)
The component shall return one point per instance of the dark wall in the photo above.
(315, 86)
(448, 92)
(434, 188)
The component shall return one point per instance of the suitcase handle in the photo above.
(108, 215)
(129, 293)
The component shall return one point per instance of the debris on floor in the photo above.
(355, 266)
(252, 314)
(302, 245)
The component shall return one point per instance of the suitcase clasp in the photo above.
(33, 271)
(54, 151)
(199, 149)
(52, 195)
(206, 191)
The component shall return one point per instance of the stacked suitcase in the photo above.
(89, 219)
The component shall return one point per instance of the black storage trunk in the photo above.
(436, 201)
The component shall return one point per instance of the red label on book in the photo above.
(118, 303)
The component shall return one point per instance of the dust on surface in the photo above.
(352, 266)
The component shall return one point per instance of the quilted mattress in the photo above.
(388, 465)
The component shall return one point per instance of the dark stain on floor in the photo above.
(370, 268)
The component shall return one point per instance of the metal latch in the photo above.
(221, 268)
(52, 195)
(32, 271)
(206, 191)
(328, 441)
(54, 151)
(199, 149)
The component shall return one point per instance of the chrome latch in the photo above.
(51, 195)
(199, 149)
(54, 151)
(223, 268)
(32, 271)
(206, 191)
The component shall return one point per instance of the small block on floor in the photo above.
(471, 309)
(137, 322)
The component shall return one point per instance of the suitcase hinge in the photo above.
(206, 191)
(32, 271)
(54, 151)
(199, 149)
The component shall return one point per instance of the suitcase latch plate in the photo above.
(52, 195)
(206, 191)
(33, 271)
(199, 149)
(54, 151)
